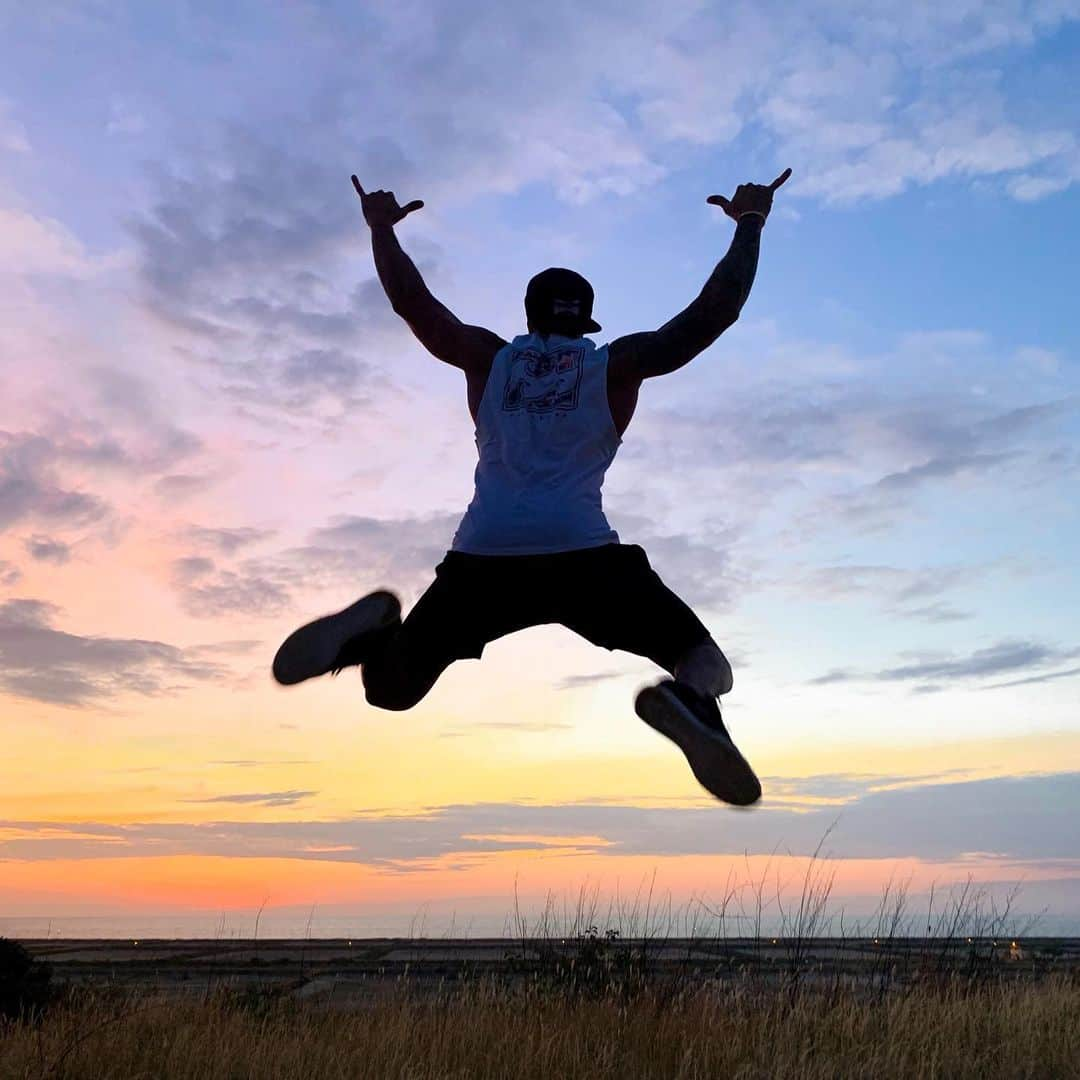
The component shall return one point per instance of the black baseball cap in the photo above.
(558, 292)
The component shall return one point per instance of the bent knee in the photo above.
(722, 674)
(727, 677)
(706, 669)
(392, 698)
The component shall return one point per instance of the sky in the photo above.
(213, 428)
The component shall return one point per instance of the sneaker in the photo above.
(693, 722)
(336, 641)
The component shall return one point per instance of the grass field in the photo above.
(974, 998)
(485, 1029)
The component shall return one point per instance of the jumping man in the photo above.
(534, 546)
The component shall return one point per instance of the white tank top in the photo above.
(545, 437)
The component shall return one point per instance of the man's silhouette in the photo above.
(534, 545)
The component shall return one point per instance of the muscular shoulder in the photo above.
(477, 348)
(623, 380)
(625, 359)
(471, 348)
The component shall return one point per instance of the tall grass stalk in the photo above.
(486, 1030)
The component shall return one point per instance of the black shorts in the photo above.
(610, 595)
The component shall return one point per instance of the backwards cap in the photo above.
(558, 292)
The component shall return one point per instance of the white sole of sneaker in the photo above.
(715, 761)
(312, 650)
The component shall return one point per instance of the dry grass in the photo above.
(1012, 1029)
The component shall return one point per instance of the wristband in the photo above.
(757, 212)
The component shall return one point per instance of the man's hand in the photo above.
(749, 198)
(381, 208)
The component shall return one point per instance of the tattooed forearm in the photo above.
(720, 301)
(694, 329)
(730, 283)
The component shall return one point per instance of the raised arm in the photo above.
(438, 329)
(717, 306)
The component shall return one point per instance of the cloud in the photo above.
(998, 659)
(1068, 673)
(225, 541)
(351, 552)
(401, 551)
(695, 564)
(30, 488)
(533, 726)
(250, 763)
(125, 118)
(180, 486)
(31, 244)
(41, 471)
(209, 591)
(247, 233)
(42, 663)
(838, 441)
(12, 133)
(238, 255)
(10, 574)
(579, 682)
(262, 798)
(1034, 819)
(829, 87)
(898, 590)
(941, 468)
(44, 549)
(132, 425)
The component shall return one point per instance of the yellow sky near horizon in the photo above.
(213, 428)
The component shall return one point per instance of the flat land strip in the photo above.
(589, 1007)
(344, 970)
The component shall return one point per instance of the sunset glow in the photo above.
(213, 428)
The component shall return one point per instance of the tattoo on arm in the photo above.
(716, 308)
(734, 274)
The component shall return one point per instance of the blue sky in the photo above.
(215, 427)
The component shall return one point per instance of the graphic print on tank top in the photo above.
(544, 438)
(542, 382)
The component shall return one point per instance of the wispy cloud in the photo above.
(880, 817)
(30, 488)
(580, 682)
(258, 798)
(44, 549)
(210, 591)
(1068, 673)
(227, 541)
(998, 659)
(43, 663)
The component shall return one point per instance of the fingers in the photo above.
(408, 208)
(356, 184)
(780, 180)
(719, 200)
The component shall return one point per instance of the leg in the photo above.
(621, 603)
(705, 668)
(400, 673)
(616, 600)
(474, 599)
